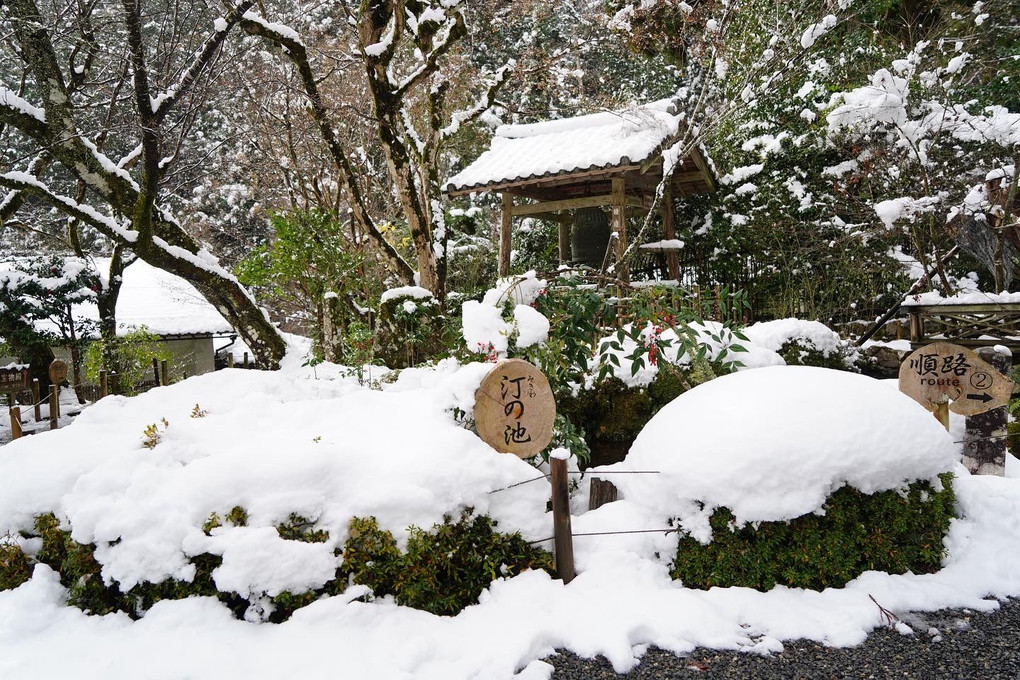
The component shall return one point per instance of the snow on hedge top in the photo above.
(774, 334)
(964, 297)
(598, 140)
(773, 443)
(274, 443)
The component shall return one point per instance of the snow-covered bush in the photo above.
(804, 343)
(410, 327)
(891, 531)
(813, 504)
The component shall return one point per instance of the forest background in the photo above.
(298, 150)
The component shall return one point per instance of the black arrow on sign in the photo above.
(985, 397)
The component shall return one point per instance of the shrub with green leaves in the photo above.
(886, 531)
(443, 570)
(132, 355)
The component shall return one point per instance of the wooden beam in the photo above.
(504, 235)
(620, 225)
(564, 178)
(702, 164)
(572, 204)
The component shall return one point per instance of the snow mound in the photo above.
(773, 443)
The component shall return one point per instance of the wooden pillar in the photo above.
(620, 226)
(504, 235)
(230, 360)
(155, 370)
(164, 378)
(104, 385)
(564, 234)
(669, 231)
(916, 326)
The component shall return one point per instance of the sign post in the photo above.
(944, 377)
(515, 409)
(514, 413)
(943, 373)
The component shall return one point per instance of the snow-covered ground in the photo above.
(312, 441)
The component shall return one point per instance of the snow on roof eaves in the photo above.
(585, 143)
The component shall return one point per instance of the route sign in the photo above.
(58, 372)
(515, 409)
(943, 372)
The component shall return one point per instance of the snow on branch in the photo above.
(23, 181)
(482, 105)
(162, 103)
(11, 100)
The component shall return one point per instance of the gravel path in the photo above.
(951, 643)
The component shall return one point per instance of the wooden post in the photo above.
(246, 360)
(984, 441)
(564, 238)
(114, 382)
(36, 400)
(15, 423)
(941, 413)
(54, 406)
(669, 231)
(899, 329)
(104, 384)
(561, 520)
(916, 326)
(505, 227)
(164, 377)
(230, 360)
(602, 492)
(620, 226)
(155, 369)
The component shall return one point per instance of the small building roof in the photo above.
(164, 303)
(580, 149)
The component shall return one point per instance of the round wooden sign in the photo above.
(515, 409)
(943, 371)
(58, 372)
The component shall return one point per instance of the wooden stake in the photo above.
(602, 492)
(114, 382)
(246, 360)
(35, 399)
(54, 406)
(155, 369)
(561, 520)
(164, 374)
(230, 361)
(104, 385)
(15, 423)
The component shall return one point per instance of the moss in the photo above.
(885, 531)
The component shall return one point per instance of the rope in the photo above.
(665, 532)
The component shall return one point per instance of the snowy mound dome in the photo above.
(773, 443)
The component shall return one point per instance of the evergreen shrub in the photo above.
(886, 531)
(443, 570)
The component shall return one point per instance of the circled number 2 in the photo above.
(981, 381)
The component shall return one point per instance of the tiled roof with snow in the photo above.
(164, 303)
(592, 142)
